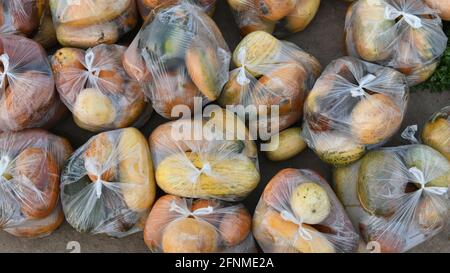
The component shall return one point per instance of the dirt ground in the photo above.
(324, 39)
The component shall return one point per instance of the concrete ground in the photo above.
(324, 39)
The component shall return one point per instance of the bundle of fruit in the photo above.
(147, 6)
(405, 35)
(205, 158)
(87, 23)
(95, 87)
(299, 213)
(181, 225)
(178, 55)
(30, 165)
(279, 16)
(270, 73)
(31, 18)
(107, 185)
(436, 132)
(28, 98)
(442, 6)
(353, 105)
(396, 197)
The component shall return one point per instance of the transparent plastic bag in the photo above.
(87, 23)
(179, 55)
(279, 16)
(182, 225)
(406, 35)
(95, 87)
(396, 197)
(436, 132)
(30, 165)
(442, 6)
(147, 6)
(353, 106)
(28, 98)
(107, 185)
(298, 212)
(270, 73)
(205, 158)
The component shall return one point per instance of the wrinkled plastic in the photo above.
(406, 35)
(107, 185)
(270, 73)
(353, 106)
(280, 17)
(30, 166)
(95, 87)
(205, 157)
(178, 55)
(436, 132)
(442, 6)
(396, 197)
(182, 225)
(28, 98)
(147, 6)
(87, 23)
(299, 213)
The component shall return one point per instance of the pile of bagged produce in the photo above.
(184, 183)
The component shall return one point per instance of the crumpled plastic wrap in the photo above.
(87, 23)
(28, 98)
(279, 16)
(95, 87)
(147, 6)
(436, 132)
(403, 34)
(396, 197)
(205, 158)
(442, 6)
(353, 106)
(178, 55)
(299, 213)
(107, 185)
(182, 225)
(270, 73)
(30, 166)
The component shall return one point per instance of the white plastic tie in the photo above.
(89, 60)
(358, 91)
(98, 187)
(242, 76)
(287, 216)
(186, 212)
(409, 134)
(4, 59)
(418, 175)
(4, 163)
(392, 13)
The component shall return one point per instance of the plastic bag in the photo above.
(396, 197)
(107, 185)
(436, 132)
(97, 90)
(299, 213)
(147, 6)
(178, 55)
(87, 23)
(270, 73)
(354, 105)
(442, 6)
(181, 225)
(28, 98)
(30, 165)
(406, 35)
(279, 16)
(205, 158)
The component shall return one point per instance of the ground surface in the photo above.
(324, 39)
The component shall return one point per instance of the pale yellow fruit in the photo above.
(93, 109)
(189, 235)
(227, 177)
(310, 202)
(136, 170)
(345, 184)
(338, 150)
(302, 15)
(289, 144)
(89, 36)
(436, 134)
(287, 232)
